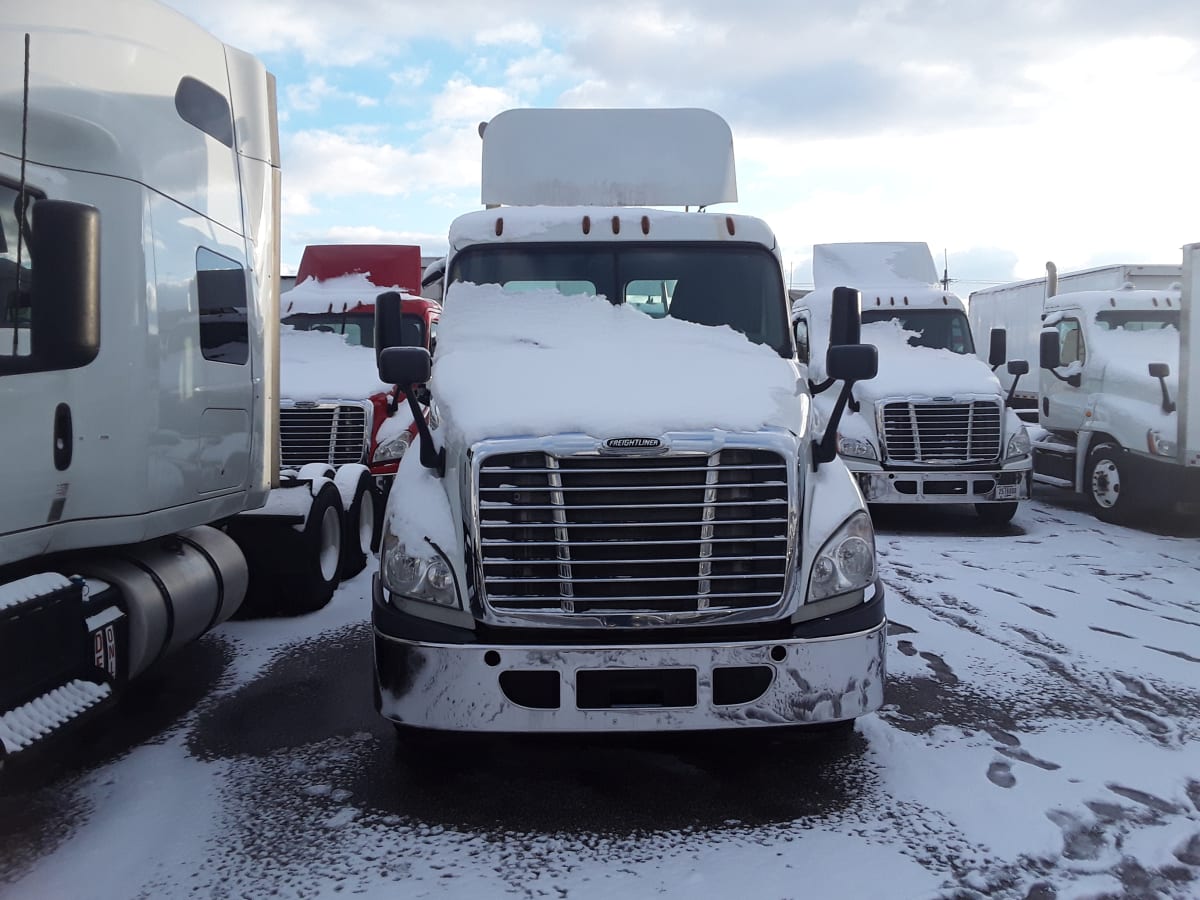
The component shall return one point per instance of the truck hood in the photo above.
(542, 363)
(906, 370)
(320, 365)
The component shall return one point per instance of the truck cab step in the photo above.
(45, 715)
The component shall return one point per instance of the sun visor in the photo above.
(607, 157)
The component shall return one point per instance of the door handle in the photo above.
(64, 437)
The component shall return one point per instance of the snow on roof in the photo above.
(542, 363)
(556, 223)
(320, 365)
(333, 295)
(1127, 298)
(912, 296)
(880, 263)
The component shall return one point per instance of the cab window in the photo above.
(1070, 342)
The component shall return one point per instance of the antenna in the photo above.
(945, 270)
(21, 198)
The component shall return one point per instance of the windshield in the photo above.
(358, 327)
(735, 285)
(939, 329)
(1137, 319)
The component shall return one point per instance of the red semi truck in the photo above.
(333, 409)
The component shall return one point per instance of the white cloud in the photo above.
(463, 101)
(410, 76)
(508, 34)
(309, 97)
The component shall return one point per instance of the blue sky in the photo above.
(1004, 134)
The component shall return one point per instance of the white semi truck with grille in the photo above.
(935, 426)
(139, 329)
(624, 514)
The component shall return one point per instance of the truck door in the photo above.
(1065, 389)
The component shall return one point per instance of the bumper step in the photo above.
(41, 717)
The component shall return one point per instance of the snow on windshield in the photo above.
(542, 363)
(321, 365)
(905, 368)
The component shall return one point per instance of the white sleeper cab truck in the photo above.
(622, 516)
(935, 426)
(138, 341)
(1017, 309)
(1119, 398)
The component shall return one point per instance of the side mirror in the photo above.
(1161, 371)
(1048, 355)
(846, 317)
(404, 366)
(852, 362)
(998, 349)
(1018, 367)
(65, 288)
(389, 322)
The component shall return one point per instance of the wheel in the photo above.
(310, 559)
(1105, 475)
(360, 527)
(996, 513)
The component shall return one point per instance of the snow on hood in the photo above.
(542, 363)
(332, 294)
(906, 369)
(320, 365)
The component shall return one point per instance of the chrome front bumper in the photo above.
(635, 688)
(903, 486)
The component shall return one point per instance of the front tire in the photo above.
(1106, 483)
(996, 513)
(360, 527)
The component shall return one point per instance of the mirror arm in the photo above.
(431, 457)
(825, 450)
(1012, 390)
(819, 388)
(1168, 405)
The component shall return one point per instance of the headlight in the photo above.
(426, 578)
(1159, 445)
(392, 449)
(860, 448)
(1018, 444)
(847, 561)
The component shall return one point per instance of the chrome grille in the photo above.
(942, 432)
(588, 534)
(322, 434)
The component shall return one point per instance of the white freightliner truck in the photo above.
(1017, 308)
(1118, 393)
(621, 516)
(935, 426)
(139, 190)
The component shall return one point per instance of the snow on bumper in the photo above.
(669, 687)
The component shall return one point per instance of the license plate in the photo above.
(1006, 492)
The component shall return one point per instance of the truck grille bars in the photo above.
(944, 433)
(564, 535)
(324, 433)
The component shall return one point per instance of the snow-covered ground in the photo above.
(1041, 740)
